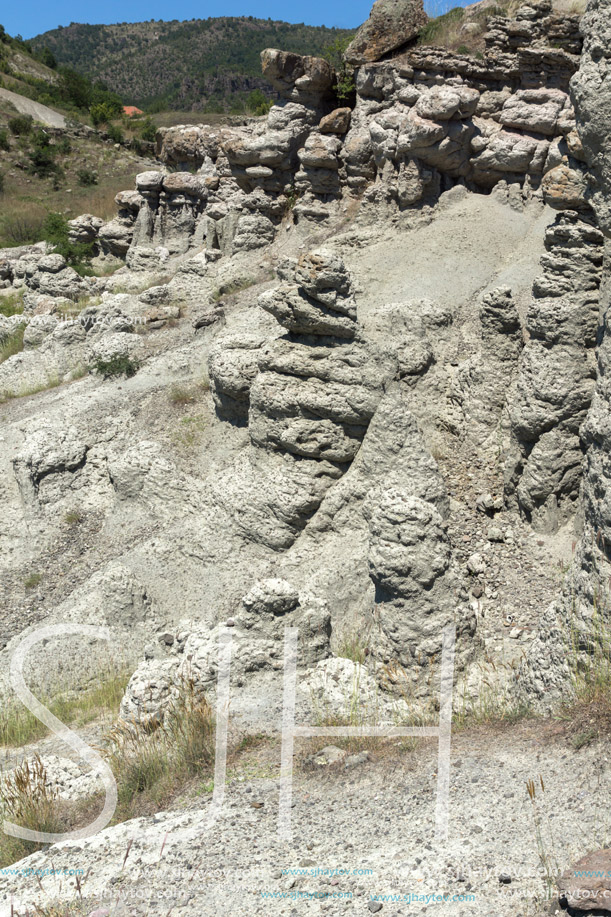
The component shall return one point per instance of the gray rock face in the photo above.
(232, 367)
(417, 590)
(310, 398)
(257, 634)
(484, 379)
(392, 24)
(592, 98)
(556, 377)
(317, 392)
(580, 613)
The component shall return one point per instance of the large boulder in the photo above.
(391, 25)
(586, 886)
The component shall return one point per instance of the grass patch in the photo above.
(13, 344)
(27, 390)
(18, 726)
(437, 30)
(27, 800)
(32, 581)
(189, 431)
(449, 30)
(12, 304)
(21, 224)
(119, 365)
(153, 763)
(354, 645)
(183, 393)
(73, 517)
(494, 703)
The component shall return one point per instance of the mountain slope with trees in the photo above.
(201, 64)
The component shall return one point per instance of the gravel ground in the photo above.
(361, 830)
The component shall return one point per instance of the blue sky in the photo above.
(31, 18)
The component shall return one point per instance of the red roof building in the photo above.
(131, 110)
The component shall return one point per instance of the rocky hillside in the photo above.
(339, 376)
(181, 65)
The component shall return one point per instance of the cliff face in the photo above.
(592, 94)
(583, 609)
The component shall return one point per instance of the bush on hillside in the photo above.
(42, 156)
(257, 103)
(102, 113)
(115, 133)
(20, 125)
(148, 130)
(56, 231)
(87, 177)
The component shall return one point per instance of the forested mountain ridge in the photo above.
(199, 64)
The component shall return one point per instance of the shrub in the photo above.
(119, 365)
(87, 177)
(213, 107)
(442, 30)
(20, 124)
(13, 344)
(1, 182)
(257, 103)
(42, 156)
(11, 304)
(334, 53)
(102, 113)
(47, 58)
(4, 140)
(182, 394)
(64, 146)
(153, 761)
(23, 226)
(32, 581)
(148, 130)
(73, 517)
(115, 133)
(55, 231)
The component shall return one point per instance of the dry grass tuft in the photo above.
(154, 762)
(27, 800)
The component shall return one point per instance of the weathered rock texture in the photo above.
(392, 24)
(572, 634)
(309, 395)
(557, 374)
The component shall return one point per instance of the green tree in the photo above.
(42, 156)
(101, 113)
(56, 232)
(334, 53)
(148, 131)
(47, 58)
(257, 103)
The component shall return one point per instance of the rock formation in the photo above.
(392, 25)
(571, 631)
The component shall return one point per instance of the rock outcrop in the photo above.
(392, 25)
(425, 119)
(418, 591)
(557, 374)
(571, 636)
(309, 395)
